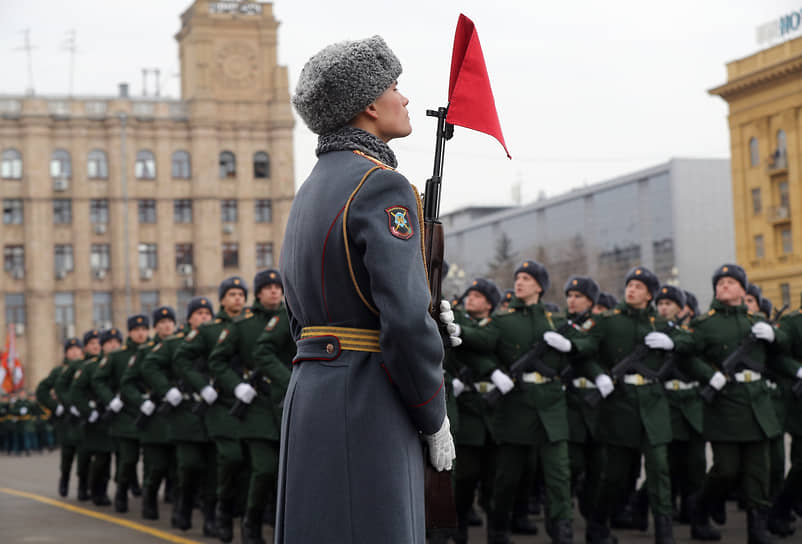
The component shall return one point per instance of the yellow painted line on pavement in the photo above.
(99, 515)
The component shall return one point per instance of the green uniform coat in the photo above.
(134, 390)
(106, 384)
(95, 436)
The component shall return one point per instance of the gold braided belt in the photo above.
(347, 338)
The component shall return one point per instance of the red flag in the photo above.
(13, 364)
(6, 380)
(470, 98)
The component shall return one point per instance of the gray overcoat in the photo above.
(351, 468)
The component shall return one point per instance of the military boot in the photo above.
(701, 529)
(182, 512)
(562, 532)
(756, 526)
(498, 537)
(461, 536)
(663, 529)
(135, 488)
(100, 496)
(640, 510)
(252, 527)
(150, 503)
(522, 524)
(224, 525)
(683, 515)
(780, 520)
(121, 499)
(474, 520)
(597, 531)
(83, 489)
(209, 523)
(63, 484)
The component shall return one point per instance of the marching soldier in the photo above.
(605, 302)
(72, 435)
(473, 439)
(91, 341)
(185, 428)
(740, 421)
(505, 300)
(106, 383)
(157, 453)
(635, 419)
(249, 389)
(95, 439)
(191, 361)
(24, 412)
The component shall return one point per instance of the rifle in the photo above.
(532, 360)
(255, 380)
(441, 511)
(634, 361)
(141, 419)
(739, 358)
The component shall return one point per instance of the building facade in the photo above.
(765, 100)
(674, 218)
(115, 205)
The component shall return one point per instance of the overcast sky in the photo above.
(586, 91)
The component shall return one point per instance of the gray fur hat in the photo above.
(342, 80)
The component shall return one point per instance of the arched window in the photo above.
(228, 165)
(60, 165)
(145, 166)
(781, 142)
(11, 167)
(754, 153)
(97, 165)
(181, 166)
(261, 165)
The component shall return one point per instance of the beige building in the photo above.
(765, 100)
(113, 205)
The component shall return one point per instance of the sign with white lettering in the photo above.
(242, 8)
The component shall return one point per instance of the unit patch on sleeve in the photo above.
(191, 335)
(400, 225)
(222, 336)
(132, 360)
(272, 323)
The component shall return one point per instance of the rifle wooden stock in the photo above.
(434, 244)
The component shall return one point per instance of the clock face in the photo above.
(236, 65)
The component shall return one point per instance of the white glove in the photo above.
(764, 331)
(557, 341)
(147, 407)
(447, 319)
(659, 340)
(173, 396)
(441, 447)
(502, 381)
(209, 394)
(116, 404)
(718, 380)
(245, 392)
(23, 410)
(93, 416)
(604, 384)
(59, 410)
(74, 411)
(799, 373)
(459, 387)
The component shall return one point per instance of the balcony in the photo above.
(779, 214)
(777, 163)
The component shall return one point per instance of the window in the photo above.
(785, 293)
(263, 210)
(101, 310)
(759, 249)
(230, 255)
(99, 210)
(14, 258)
(15, 308)
(182, 211)
(62, 260)
(785, 200)
(12, 211)
(184, 296)
(754, 152)
(148, 301)
(60, 165)
(757, 206)
(148, 257)
(781, 142)
(228, 165)
(97, 165)
(145, 166)
(100, 257)
(180, 165)
(11, 167)
(183, 255)
(62, 211)
(261, 165)
(147, 211)
(65, 315)
(785, 236)
(264, 255)
(228, 211)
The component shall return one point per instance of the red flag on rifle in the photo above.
(470, 98)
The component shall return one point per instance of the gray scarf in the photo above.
(349, 138)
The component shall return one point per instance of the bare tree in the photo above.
(501, 269)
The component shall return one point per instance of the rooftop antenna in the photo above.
(28, 48)
(70, 45)
(145, 81)
(157, 72)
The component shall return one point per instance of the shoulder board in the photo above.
(175, 336)
(157, 348)
(485, 321)
(377, 162)
(146, 345)
(243, 317)
(218, 320)
(704, 316)
(610, 313)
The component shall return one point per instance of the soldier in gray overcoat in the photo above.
(367, 380)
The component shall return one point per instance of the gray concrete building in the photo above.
(674, 218)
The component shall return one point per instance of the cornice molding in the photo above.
(758, 79)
